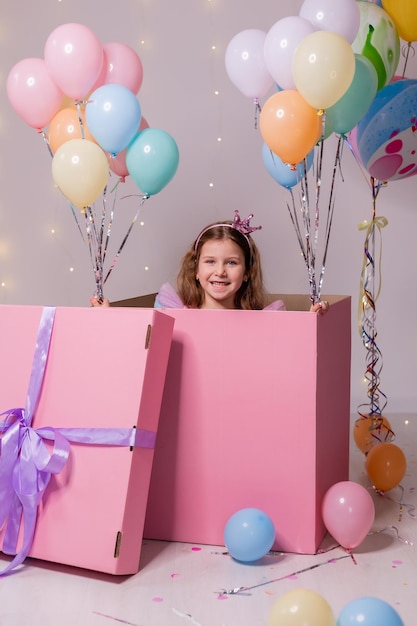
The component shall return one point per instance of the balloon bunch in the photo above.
(332, 66)
(304, 607)
(82, 98)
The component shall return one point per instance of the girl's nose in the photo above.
(220, 269)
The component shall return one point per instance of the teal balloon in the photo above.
(281, 172)
(352, 106)
(152, 160)
(369, 611)
(113, 116)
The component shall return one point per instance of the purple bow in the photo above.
(27, 463)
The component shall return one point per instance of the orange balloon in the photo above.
(290, 127)
(370, 430)
(386, 466)
(65, 125)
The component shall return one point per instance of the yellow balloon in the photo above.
(323, 68)
(404, 15)
(80, 169)
(301, 607)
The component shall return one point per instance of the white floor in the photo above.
(180, 584)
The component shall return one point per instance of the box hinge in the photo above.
(148, 336)
(117, 544)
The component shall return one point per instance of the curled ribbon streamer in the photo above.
(27, 464)
(368, 296)
(364, 294)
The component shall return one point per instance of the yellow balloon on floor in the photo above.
(301, 607)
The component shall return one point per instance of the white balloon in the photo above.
(245, 64)
(341, 16)
(280, 44)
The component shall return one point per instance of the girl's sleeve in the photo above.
(167, 298)
(277, 305)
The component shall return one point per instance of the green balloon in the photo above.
(378, 41)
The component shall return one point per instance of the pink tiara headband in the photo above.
(243, 226)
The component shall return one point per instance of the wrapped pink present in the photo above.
(80, 395)
(255, 413)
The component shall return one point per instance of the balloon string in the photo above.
(46, 140)
(367, 304)
(409, 507)
(361, 168)
(393, 529)
(330, 210)
(122, 245)
(308, 240)
(406, 50)
(80, 119)
(258, 110)
(244, 590)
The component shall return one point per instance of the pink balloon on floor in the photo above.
(348, 513)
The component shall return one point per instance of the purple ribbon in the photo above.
(27, 463)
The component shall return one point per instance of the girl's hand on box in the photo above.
(99, 303)
(320, 307)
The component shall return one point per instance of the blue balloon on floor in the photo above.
(249, 534)
(369, 611)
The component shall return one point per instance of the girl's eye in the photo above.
(232, 262)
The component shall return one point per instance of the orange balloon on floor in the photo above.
(371, 430)
(386, 465)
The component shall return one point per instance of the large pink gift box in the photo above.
(105, 369)
(255, 413)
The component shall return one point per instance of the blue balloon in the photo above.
(385, 136)
(249, 534)
(152, 160)
(113, 116)
(281, 172)
(368, 611)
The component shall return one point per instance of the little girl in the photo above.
(221, 270)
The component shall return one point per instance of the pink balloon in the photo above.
(348, 513)
(122, 66)
(341, 17)
(280, 44)
(245, 63)
(117, 164)
(32, 92)
(74, 57)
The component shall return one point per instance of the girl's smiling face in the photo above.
(221, 272)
